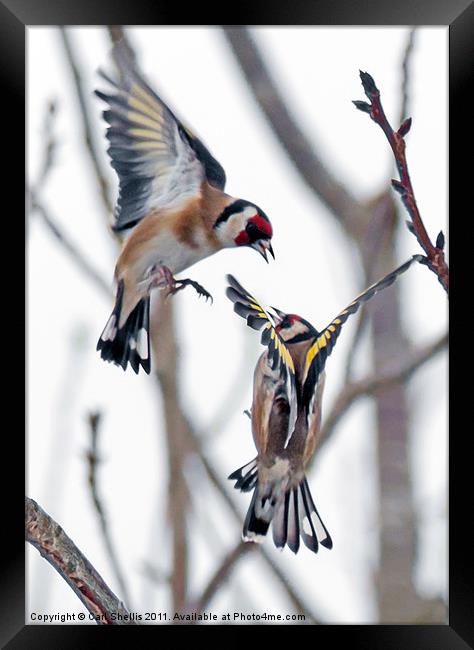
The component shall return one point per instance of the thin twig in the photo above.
(76, 255)
(373, 384)
(93, 461)
(378, 209)
(51, 144)
(64, 556)
(407, 55)
(92, 150)
(315, 173)
(434, 253)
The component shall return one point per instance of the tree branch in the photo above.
(51, 144)
(92, 150)
(379, 208)
(315, 173)
(434, 253)
(93, 460)
(64, 556)
(76, 255)
(407, 54)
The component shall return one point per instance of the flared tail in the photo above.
(293, 517)
(130, 343)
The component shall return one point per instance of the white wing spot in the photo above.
(318, 526)
(142, 343)
(253, 537)
(307, 526)
(110, 330)
(132, 343)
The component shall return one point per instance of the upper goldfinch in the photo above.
(171, 194)
(286, 416)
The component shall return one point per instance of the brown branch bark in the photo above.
(396, 139)
(64, 556)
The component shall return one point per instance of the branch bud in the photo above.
(362, 106)
(405, 127)
(368, 83)
(440, 240)
(398, 187)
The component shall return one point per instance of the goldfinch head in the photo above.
(244, 224)
(292, 328)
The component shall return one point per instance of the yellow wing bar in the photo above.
(258, 318)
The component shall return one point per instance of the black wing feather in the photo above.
(325, 341)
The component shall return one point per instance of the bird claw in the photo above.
(200, 289)
(160, 277)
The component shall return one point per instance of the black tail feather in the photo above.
(321, 531)
(293, 540)
(293, 518)
(280, 523)
(131, 343)
(255, 528)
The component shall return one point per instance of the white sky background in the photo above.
(317, 69)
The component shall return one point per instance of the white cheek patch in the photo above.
(110, 330)
(142, 343)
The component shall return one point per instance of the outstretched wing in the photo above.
(159, 161)
(325, 341)
(278, 356)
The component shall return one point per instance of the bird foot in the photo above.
(160, 277)
(180, 284)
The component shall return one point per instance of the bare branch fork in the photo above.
(434, 253)
(60, 551)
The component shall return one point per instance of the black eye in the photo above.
(285, 323)
(252, 230)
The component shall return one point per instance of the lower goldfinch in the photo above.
(171, 205)
(286, 416)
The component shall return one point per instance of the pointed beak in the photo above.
(280, 315)
(262, 246)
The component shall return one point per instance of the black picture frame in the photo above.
(15, 17)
